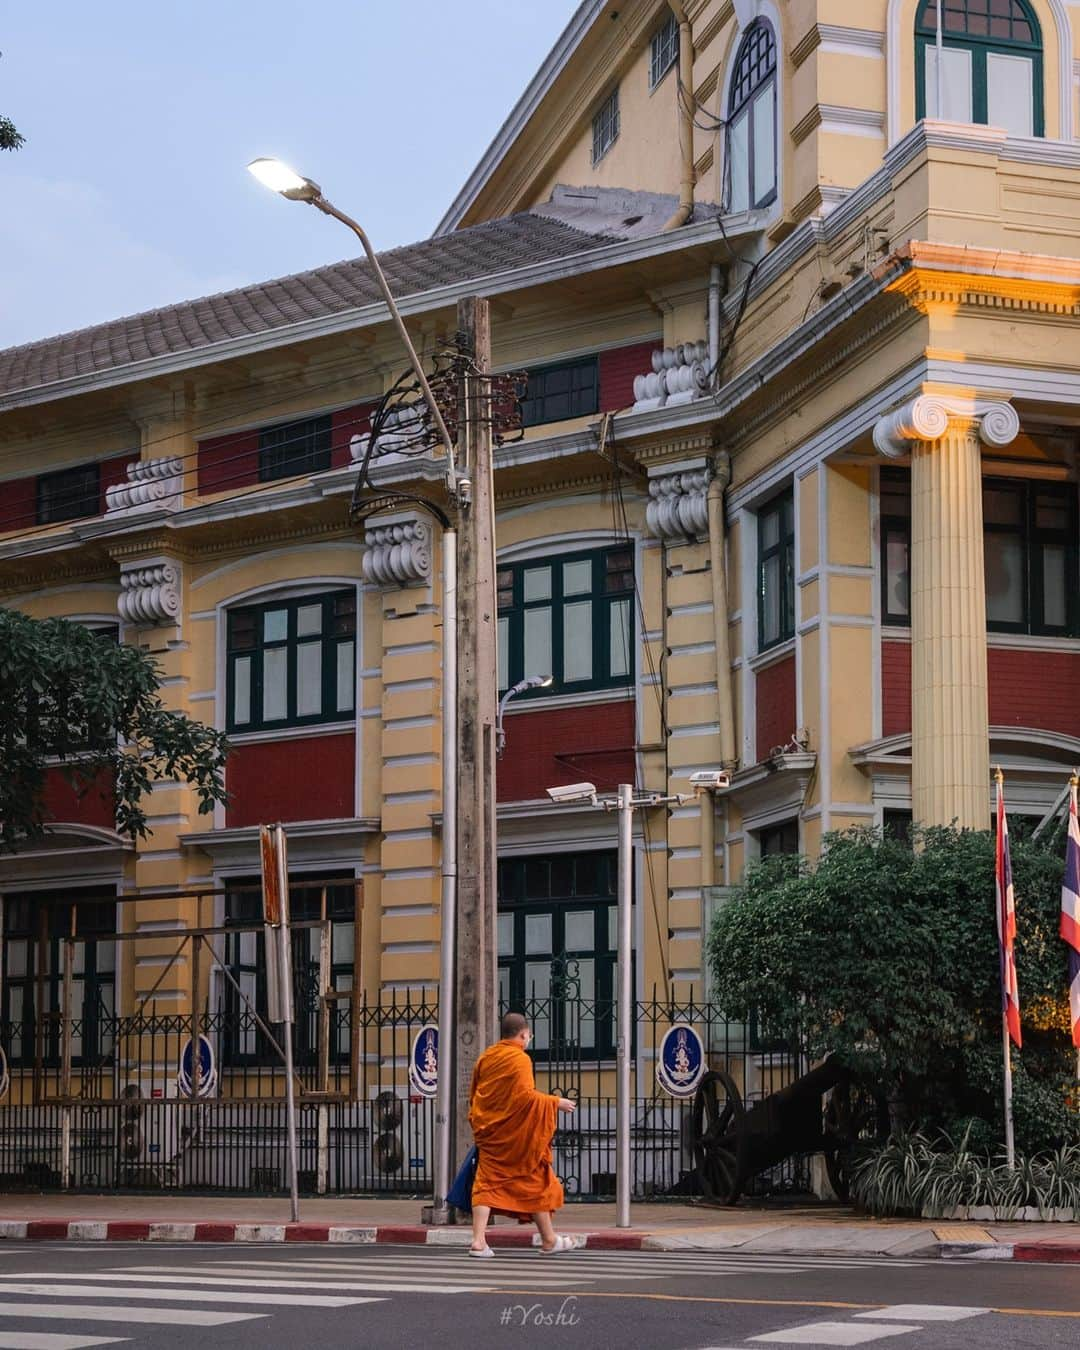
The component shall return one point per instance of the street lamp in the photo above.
(626, 803)
(531, 682)
(273, 174)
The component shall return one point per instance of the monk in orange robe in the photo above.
(512, 1124)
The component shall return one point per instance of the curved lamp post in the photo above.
(272, 173)
(532, 682)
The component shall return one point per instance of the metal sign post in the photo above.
(275, 875)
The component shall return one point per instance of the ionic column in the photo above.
(949, 721)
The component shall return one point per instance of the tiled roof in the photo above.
(482, 250)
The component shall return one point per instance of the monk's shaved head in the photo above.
(513, 1024)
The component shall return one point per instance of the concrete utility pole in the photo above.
(477, 649)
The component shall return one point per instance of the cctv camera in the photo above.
(709, 778)
(573, 792)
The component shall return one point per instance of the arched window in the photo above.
(751, 129)
(991, 64)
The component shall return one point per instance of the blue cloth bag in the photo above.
(460, 1193)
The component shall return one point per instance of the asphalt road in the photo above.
(65, 1296)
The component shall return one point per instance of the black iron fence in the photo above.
(123, 1118)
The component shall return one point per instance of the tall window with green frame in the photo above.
(34, 928)
(570, 617)
(776, 571)
(292, 662)
(558, 941)
(991, 64)
(243, 1041)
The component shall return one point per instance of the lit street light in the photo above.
(273, 174)
(532, 682)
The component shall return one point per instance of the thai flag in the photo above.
(1006, 921)
(1070, 912)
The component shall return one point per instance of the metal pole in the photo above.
(328, 209)
(940, 65)
(444, 1098)
(1010, 1143)
(625, 1008)
(285, 978)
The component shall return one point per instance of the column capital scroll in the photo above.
(927, 417)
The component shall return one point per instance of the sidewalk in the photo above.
(788, 1230)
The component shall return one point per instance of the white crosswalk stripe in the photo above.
(91, 1312)
(258, 1294)
(52, 1340)
(211, 1290)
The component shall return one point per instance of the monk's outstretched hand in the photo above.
(565, 1104)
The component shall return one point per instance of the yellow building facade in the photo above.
(796, 286)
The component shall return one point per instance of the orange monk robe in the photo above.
(512, 1124)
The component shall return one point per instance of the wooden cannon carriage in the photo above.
(826, 1111)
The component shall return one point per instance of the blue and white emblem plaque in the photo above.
(681, 1061)
(424, 1061)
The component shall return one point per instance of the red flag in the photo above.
(1006, 922)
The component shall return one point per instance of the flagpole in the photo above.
(940, 47)
(1074, 782)
(1003, 920)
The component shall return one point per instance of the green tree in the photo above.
(10, 137)
(70, 697)
(887, 957)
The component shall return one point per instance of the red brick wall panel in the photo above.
(895, 688)
(617, 370)
(18, 505)
(63, 804)
(1027, 688)
(776, 716)
(304, 778)
(114, 471)
(1034, 689)
(593, 743)
(230, 461)
(344, 425)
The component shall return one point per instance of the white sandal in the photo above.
(563, 1243)
(482, 1254)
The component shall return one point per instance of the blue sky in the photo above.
(131, 191)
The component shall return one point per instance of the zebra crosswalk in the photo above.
(128, 1298)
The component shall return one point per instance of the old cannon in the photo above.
(826, 1111)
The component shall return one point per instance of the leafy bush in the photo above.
(887, 957)
(915, 1174)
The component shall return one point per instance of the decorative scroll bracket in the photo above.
(150, 594)
(153, 485)
(398, 551)
(678, 506)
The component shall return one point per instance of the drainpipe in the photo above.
(714, 499)
(724, 691)
(716, 272)
(685, 97)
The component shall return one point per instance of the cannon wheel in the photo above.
(718, 1116)
(853, 1115)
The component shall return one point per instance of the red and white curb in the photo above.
(1061, 1253)
(133, 1230)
